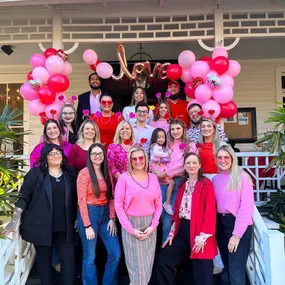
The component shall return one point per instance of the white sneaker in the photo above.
(168, 208)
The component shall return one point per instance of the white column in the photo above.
(274, 257)
(219, 27)
(57, 30)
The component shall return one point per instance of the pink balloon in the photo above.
(227, 80)
(90, 56)
(186, 75)
(224, 94)
(210, 107)
(35, 107)
(28, 92)
(67, 68)
(37, 60)
(186, 58)
(199, 69)
(104, 70)
(234, 68)
(220, 52)
(54, 64)
(203, 93)
(54, 106)
(41, 74)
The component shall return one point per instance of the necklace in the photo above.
(56, 176)
(105, 123)
(139, 183)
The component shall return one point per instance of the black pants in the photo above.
(67, 260)
(235, 263)
(174, 255)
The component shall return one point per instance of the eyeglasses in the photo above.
(142, 112)
(139, 158)
(55, 154)
(95, 154)
(106, 102)
(68, 114)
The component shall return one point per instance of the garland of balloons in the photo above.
(209, 81)
(46, 84)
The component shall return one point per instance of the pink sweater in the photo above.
(133, 200)
(238, 203)
(176, 165)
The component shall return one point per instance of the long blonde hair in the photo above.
(236, 172)
(136, 148)
(80, 132)
(117, 138)
(216, 138)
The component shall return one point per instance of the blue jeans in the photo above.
(235, 263)
(166, 218)
(99, 218)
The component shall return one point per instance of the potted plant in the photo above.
(10, 175)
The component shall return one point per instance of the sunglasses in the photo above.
(106, 102)
(139, 158)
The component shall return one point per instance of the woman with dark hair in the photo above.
(67, 122)
(192, 233)
(163, 116)
(47, 207)
(107, 120)
(139, 95)
(96, 217)
(52, 135)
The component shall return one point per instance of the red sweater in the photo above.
(77, 157)
(208, 159)
(203, 217)
(107, 127)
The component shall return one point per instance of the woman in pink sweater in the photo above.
(138, 206)
(235, 206)
(179, 145)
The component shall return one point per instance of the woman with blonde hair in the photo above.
(209, 143)
(87, 135)
(235, 206)
(138, 95)
(117, 153)
(138, 206)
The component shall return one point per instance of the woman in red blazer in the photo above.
(193, 229)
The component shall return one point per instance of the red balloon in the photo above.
(46, 95)
(174, 71)
(30, 76)
(228, 110)
(207, 59)
(93, 67)
(50, 51)
(189, 90)
(220, 64)
(58, 82)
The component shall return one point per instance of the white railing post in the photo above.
(274, 257)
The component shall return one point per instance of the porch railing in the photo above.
(265, 264)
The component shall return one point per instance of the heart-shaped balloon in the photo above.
(143, 140)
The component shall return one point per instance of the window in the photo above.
(10, 95)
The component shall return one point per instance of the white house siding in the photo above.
(254, 87)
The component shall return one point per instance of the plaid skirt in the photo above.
(139, 255)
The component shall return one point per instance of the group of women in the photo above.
(85, 179)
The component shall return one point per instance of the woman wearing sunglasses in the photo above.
(107, 120)
(138, 205)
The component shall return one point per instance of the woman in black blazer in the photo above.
(47, 207)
